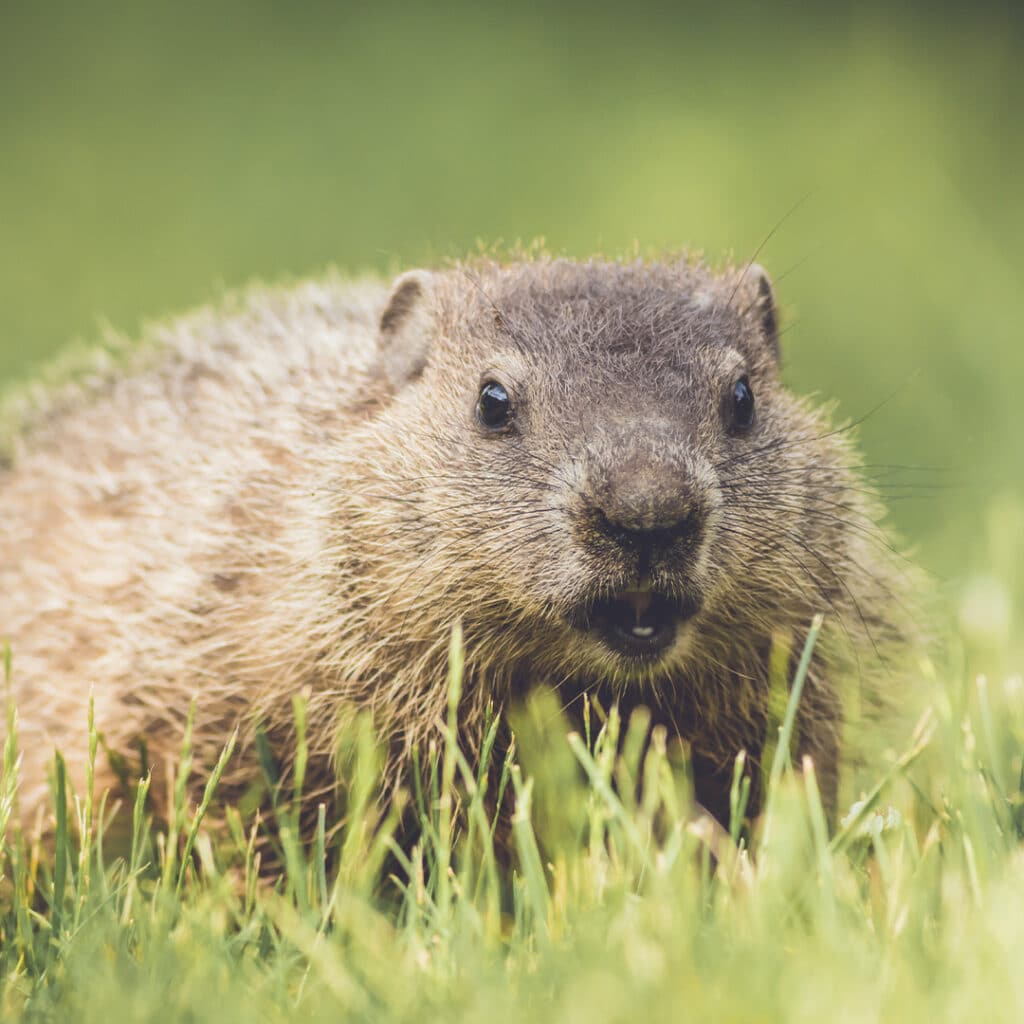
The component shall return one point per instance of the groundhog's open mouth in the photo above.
(638, 624)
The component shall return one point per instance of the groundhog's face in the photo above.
(595, 445)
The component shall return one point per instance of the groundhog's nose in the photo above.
(648, 508)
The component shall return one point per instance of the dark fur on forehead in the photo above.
(657, 309)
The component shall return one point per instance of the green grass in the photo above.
(912, 908)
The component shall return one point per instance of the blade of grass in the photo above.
(211, 787)
(782, 756)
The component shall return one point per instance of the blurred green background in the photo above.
(152, 154)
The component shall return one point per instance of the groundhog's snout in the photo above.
(645, 517)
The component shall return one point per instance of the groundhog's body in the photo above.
(300, 494)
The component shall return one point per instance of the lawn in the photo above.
(612, 908)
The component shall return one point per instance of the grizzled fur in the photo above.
(295, 495)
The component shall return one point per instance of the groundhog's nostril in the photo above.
(648, 533)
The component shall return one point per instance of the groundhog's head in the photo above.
(594, 464)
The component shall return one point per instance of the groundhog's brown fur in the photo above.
(296, 494)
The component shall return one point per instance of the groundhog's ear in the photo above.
(405, 327)
(759, 303)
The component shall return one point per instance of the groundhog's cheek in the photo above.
(550, 574)
(560, 591)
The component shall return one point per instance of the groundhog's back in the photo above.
(141, 498)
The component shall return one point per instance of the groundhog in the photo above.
(593, 466)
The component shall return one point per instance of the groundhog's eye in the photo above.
(742, 405)
(494, 407)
